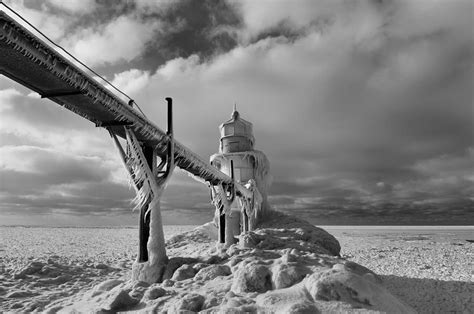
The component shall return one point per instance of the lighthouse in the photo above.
(250, 169)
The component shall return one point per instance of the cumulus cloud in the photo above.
(74, 7)
(123, 39)
(39, 16)
(363, 108)
(131, 81)
(360, 101)
(160, 6)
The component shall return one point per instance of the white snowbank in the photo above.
(428, 269)
(275, 270)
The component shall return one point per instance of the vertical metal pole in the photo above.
(221, 224)
(170, 152)
(170, 115)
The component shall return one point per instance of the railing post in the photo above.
(170, 152)
(170, 115)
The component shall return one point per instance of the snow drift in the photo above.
(284, 266)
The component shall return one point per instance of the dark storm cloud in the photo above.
(363, 108)
(77, 199)
(13, 181)
(345, 113)
(292, 188)
(173, 29)
(197, 35)
(193, 28)
(46, 181)
(340, 211)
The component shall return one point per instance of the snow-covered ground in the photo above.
(429, 268)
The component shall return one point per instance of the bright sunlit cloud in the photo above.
(364, 109)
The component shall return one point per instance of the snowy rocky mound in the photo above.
(285, 266)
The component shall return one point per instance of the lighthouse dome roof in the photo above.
(236, 126)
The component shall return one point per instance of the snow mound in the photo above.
(41, 281)
(284, 266)
(302, 231)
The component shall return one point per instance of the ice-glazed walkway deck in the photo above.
(28, 60)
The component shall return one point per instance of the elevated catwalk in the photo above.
(30, 61)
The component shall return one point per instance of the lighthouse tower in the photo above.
(250, 169)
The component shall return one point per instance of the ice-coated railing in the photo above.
(35, 64)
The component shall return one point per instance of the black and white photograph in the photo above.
(237, 156)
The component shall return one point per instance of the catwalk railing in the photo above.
(32, 62)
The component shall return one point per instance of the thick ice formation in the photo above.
(244, 206)
(273, 270)
(152, 270)
(262, 176)
(149, 188)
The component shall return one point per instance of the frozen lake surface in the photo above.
(429, 267)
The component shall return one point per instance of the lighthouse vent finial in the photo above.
(235, 113)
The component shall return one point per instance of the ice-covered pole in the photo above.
(154, 181)
(156, 242)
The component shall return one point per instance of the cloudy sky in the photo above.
(364, 108)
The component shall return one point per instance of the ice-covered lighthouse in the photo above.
(237, 157)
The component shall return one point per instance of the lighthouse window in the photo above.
(233, 146)
(229, 130)
(239, 129)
